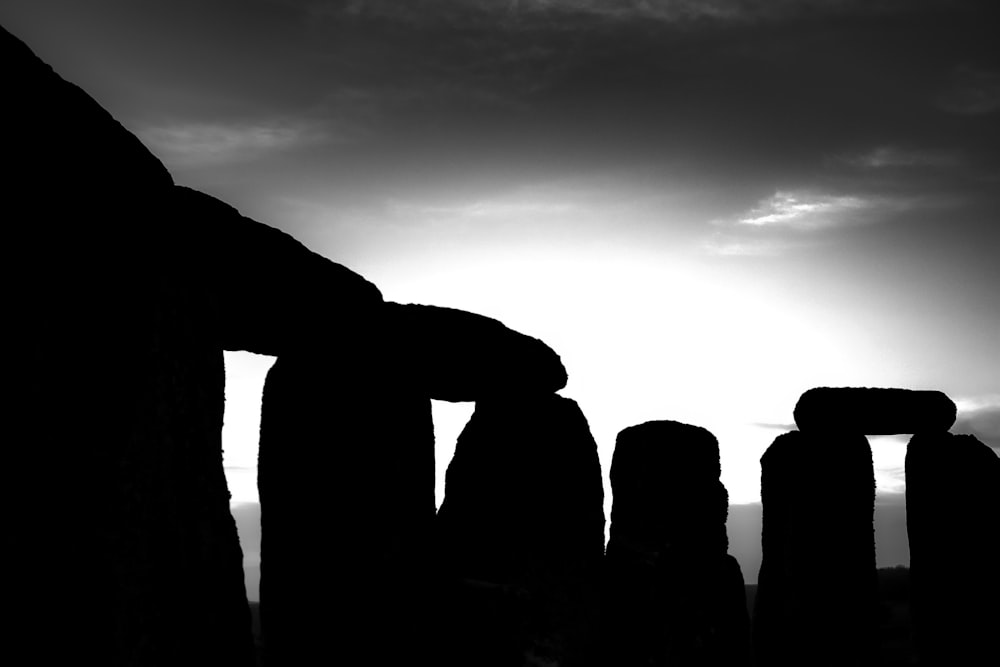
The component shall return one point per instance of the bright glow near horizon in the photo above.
(643, 337)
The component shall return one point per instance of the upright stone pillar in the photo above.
(117, 547)
(673, 596)
(817, 588)
(346, 480)
(953, 524)
(522, 535)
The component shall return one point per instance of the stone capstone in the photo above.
(456, 355)
(873, 411)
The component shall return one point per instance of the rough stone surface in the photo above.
(817, 587)
(672, 595)
(522, 536)
(953, 524)
(873, 411)
(460, 356)
(346, 481)
(118, 545)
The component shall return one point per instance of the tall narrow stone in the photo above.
(522, 535)
(817, 588)
(953, 524)
(346, 481)
(673, 595)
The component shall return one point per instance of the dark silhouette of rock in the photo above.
(818, 495)
(672, 594)
(657, 467)
(118, 545)
(522, 536)
(270, 294)
(129, 288)
(870, 411)
(952, 510)
(346, 481)
(462, 356)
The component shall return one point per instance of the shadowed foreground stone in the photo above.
(116, 512)
(460, 356)
(522, 535)
(672, 594)
(817, 587)
(118, 547)
(871, 411)
(953, 524)
(346, 481)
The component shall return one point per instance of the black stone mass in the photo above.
(672, 595)
(118, 544)
(953, 525)
(346, 481)
(461, 356)
(874, 411)
(818, 496)
(521, 531)
(118, 547)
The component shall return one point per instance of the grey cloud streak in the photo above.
(981, 420)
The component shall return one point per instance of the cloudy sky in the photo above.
(705, 207)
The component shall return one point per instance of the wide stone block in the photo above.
(873, 411)
(456, 355)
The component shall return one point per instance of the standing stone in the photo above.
(522, 535)
(118, 547)
(346, 481)
(953, 523)
(673, 596)
(817, 588)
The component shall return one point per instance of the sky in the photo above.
(705, 208)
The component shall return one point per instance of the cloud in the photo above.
(981, 417)
(791, 219)
(653, 10)
(973, 92)
(722, 244)
(778, 427)
(486, 209)
(888, 460)
(641, 79)
(804, 210)
(894, 157)
(215, 143)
